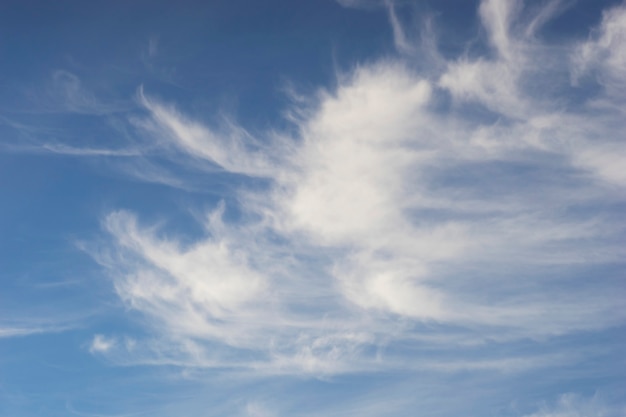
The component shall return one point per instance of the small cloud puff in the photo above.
(102, 344)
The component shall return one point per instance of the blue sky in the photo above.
(313, 208)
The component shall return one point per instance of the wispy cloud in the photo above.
(604, 54)
(399, 36)
(69, 150)
(21, 331)
(68, 94)
(232, 149)
(68, 89)
(101, 344)
(572, 405)
(27, 328)
(458, 199)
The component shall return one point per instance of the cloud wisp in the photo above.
(10, 329)
(458, 201)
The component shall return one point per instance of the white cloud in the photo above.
(211, 274)
(228, 150)
(69, 150)
(21, 331)
(349, 168)
(400, 39)
(27, 326)
(102, 344)
(605, 53)
(384, 212)
(496, 82)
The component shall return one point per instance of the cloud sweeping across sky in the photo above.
(440, 217)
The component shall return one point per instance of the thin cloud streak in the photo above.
(8, 331)
(69, 150)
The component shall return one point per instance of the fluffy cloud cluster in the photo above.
(409, 205)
